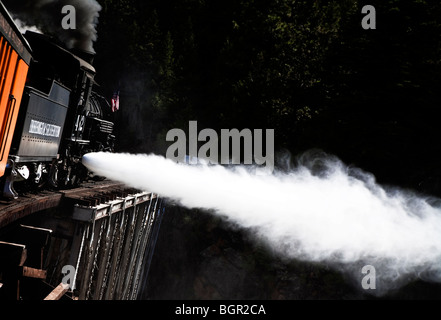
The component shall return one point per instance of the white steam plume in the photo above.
(336, 215)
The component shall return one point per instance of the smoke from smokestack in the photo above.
(23, 27)
(47, 16)
(322, 211)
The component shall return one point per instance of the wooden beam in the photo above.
(34, 235)
(22, 207)
(11, 211)
(58, 292)
(34, 273)
(36, 241)
(12, 254)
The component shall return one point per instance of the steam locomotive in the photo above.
(50, 115)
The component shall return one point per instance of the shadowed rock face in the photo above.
(199, 257)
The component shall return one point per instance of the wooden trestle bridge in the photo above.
(90, 243)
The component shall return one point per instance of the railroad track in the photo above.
(90, 194)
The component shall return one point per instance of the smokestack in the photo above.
(87, 56)
(47, 16)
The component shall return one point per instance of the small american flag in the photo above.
(115, 101)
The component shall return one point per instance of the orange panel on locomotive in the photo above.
(15, 57)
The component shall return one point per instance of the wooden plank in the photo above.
(12, 254)
(38, 236)
(34, 273)
(36, 241)
(23, 207)
(11, 211)
(58, 292)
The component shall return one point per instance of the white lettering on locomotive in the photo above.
(44, 129)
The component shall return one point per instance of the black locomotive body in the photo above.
(60, 119)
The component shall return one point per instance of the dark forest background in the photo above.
(304, 68)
